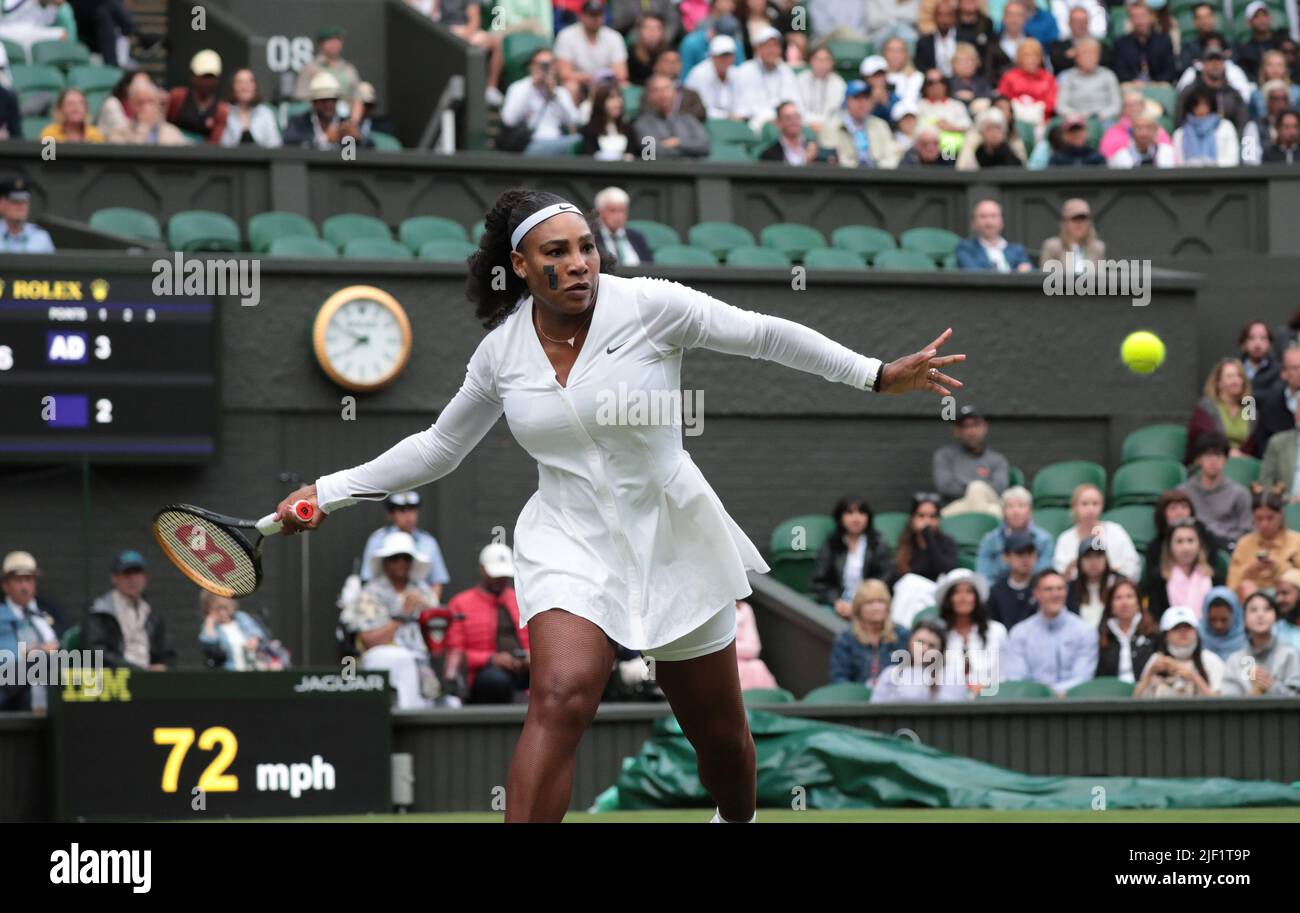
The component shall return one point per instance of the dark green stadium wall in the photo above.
(775, 443)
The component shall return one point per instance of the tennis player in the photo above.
(624, 541)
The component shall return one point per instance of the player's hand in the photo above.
(922, 370)
(284, 512)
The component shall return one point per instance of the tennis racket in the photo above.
(210, 549)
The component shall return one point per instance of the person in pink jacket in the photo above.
(753, 671)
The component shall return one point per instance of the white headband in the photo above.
(537, 218)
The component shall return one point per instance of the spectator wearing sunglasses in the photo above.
(1077, 242)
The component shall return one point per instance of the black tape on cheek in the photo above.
(551, 277)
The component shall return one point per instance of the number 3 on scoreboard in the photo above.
(214, 779)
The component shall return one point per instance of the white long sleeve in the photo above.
(426, 456)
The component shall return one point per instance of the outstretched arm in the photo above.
(675, 316)
(416, 460)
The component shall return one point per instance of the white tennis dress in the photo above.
(623, 529)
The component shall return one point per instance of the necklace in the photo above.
(569, 342)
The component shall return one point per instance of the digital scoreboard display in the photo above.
(98, 366)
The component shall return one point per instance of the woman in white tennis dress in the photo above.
(624, 541)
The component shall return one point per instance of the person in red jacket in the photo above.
(1029, 83)
(485, 638)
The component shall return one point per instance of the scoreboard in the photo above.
(99, 366)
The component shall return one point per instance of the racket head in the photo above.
(212, 554)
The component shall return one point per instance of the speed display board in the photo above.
(212, 744)
(99, 366)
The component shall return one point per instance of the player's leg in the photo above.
(571, 659)
(705, 696)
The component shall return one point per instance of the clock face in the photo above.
(362, 338)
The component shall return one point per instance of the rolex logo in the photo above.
(99, 289)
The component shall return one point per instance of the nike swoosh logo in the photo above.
(612, 349)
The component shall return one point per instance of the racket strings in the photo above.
(207, 553)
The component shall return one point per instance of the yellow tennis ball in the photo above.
(1143, 352)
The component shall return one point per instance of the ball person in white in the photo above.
(624, 540)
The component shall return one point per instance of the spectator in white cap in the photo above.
(485, 638)
(766, 81)
(198, 109)
(858, 138)
(1179, 667)
(974, 639)
(404, 516)
(588, 47)
(628, 244)
(905, 122)
(714, 80)
(323, 126)
(883, 98)
(1262, 38)
(385, 620)
(821, 89)
(26, 624)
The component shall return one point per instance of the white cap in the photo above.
(1177, 615)
(767, 34)
(1255, 7)
(399, 543)
(497, 560)
(20, 563)
(323, 86)
(722, 44)
(901, 109)
(873, 65)
(208, 63)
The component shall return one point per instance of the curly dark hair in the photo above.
(496, 295)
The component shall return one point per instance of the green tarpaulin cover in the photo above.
(842, 767)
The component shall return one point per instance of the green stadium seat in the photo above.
(1292, 514)
(801, 535)
(476, 231)
(1243, 469)
(1138, 520)
(903, 261)
(1054, 484)
(71, 639)
(1018, 691)
(730, 131)
(681, 255)
(838, 693)
(417, 231)
(265, 227)
(890, 525)
(848, 55)
(757, 257)
(342, 228)
(1101, 688)
(755, 696)
(950, 262)
(61, 54)
(447, 250)
(865, 240)
(729, 152)
(194, 139)
(91, 78)
(516, 48)
(794, 571)
(385, 142)
(1167, 442)
(15, 51)
(631, 101)
(95, 100)
(968, 530)
(127, 222)
(376, 249)
(1015, 476)
(935, 243)
(1026, 133)
(1118, 23)
(720, 238)
(35, 77)
(33, 125)
(791, 239)
(202, 230)
(303, 246)
(1054, 520)
(833, 258)
(1163, 94)
(657, 234)
(1143, 481)
(291, 109)
(931, 611)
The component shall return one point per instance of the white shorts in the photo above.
(710, 637)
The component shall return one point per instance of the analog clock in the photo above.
(362, 338)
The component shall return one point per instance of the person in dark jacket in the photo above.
(1285, 150)
(1011, 598)
(1143, 55)
(1075, 150)
(628, 245)
(923, 549)
(872, 642)
(1126, 637)
(11, 115)
(791, 146)
(123, 625)
(1276, 407)
(854, 552)
(1172, 507)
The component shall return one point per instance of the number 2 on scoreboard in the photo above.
(214, 778)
